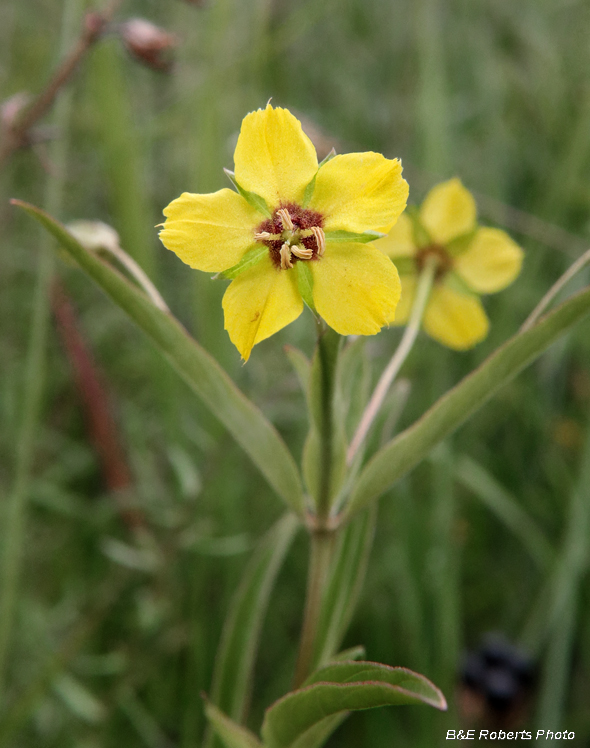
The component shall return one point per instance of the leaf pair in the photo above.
(307, 717)
(258, 437)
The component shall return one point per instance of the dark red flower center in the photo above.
(292, 234)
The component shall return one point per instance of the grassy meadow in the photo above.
(127, 513)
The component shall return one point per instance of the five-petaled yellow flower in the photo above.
(294, 228)
(471, 260)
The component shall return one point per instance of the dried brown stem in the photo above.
(101, 426)
(17, 135)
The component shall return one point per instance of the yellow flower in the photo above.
(472, 260)
(294, 231)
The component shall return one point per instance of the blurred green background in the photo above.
(121, 595)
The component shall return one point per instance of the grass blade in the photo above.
(501, 503)
(235, 660)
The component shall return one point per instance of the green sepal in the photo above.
(230, 733)
(305, 284)
(351, 236)
(250, 259)
(405, 265)
(308, 193)
(421, 236)
(460, 244)
(338, 688)
(256, 201)
(456, 283)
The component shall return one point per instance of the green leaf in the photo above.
(232, 735)
(410, 447)
(256, 201)
(351, 236)
(354, 653)
(405, 265)
(421, 235)
(301, 364)
(203, 374)
(234, 664)
(305, 284)
(252, 257)
(345, 583)
(317, 735)
(341, 687)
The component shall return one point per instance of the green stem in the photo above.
(34, 380)
(328, 347)
(322, 543)
(405, 346)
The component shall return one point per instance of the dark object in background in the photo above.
(496, 682)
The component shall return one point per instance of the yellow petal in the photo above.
(258, 303)
(360, 192)
(448, 211)
(455, 320)
(274, 157)
(400, 240)
(210, 232)
(402, 313)
(492, 261)
(355, 288)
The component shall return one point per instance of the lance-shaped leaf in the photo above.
(234, 664)
(231, 734)
(342, 687)
(407, 449)
(203, 374)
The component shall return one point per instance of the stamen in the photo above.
(302, 252)
(320, 238)
(286, 256)
(286, 220)
(263, 236)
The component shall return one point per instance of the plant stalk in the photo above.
(327, 351)
(409, 337)
(322, 544)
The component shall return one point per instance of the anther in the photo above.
(286, 256)
(264, 236)
(320, 238)
(286, 220)
(302, 252)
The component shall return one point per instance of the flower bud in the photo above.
(94, 235)
(11, 109)
(148, 43)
